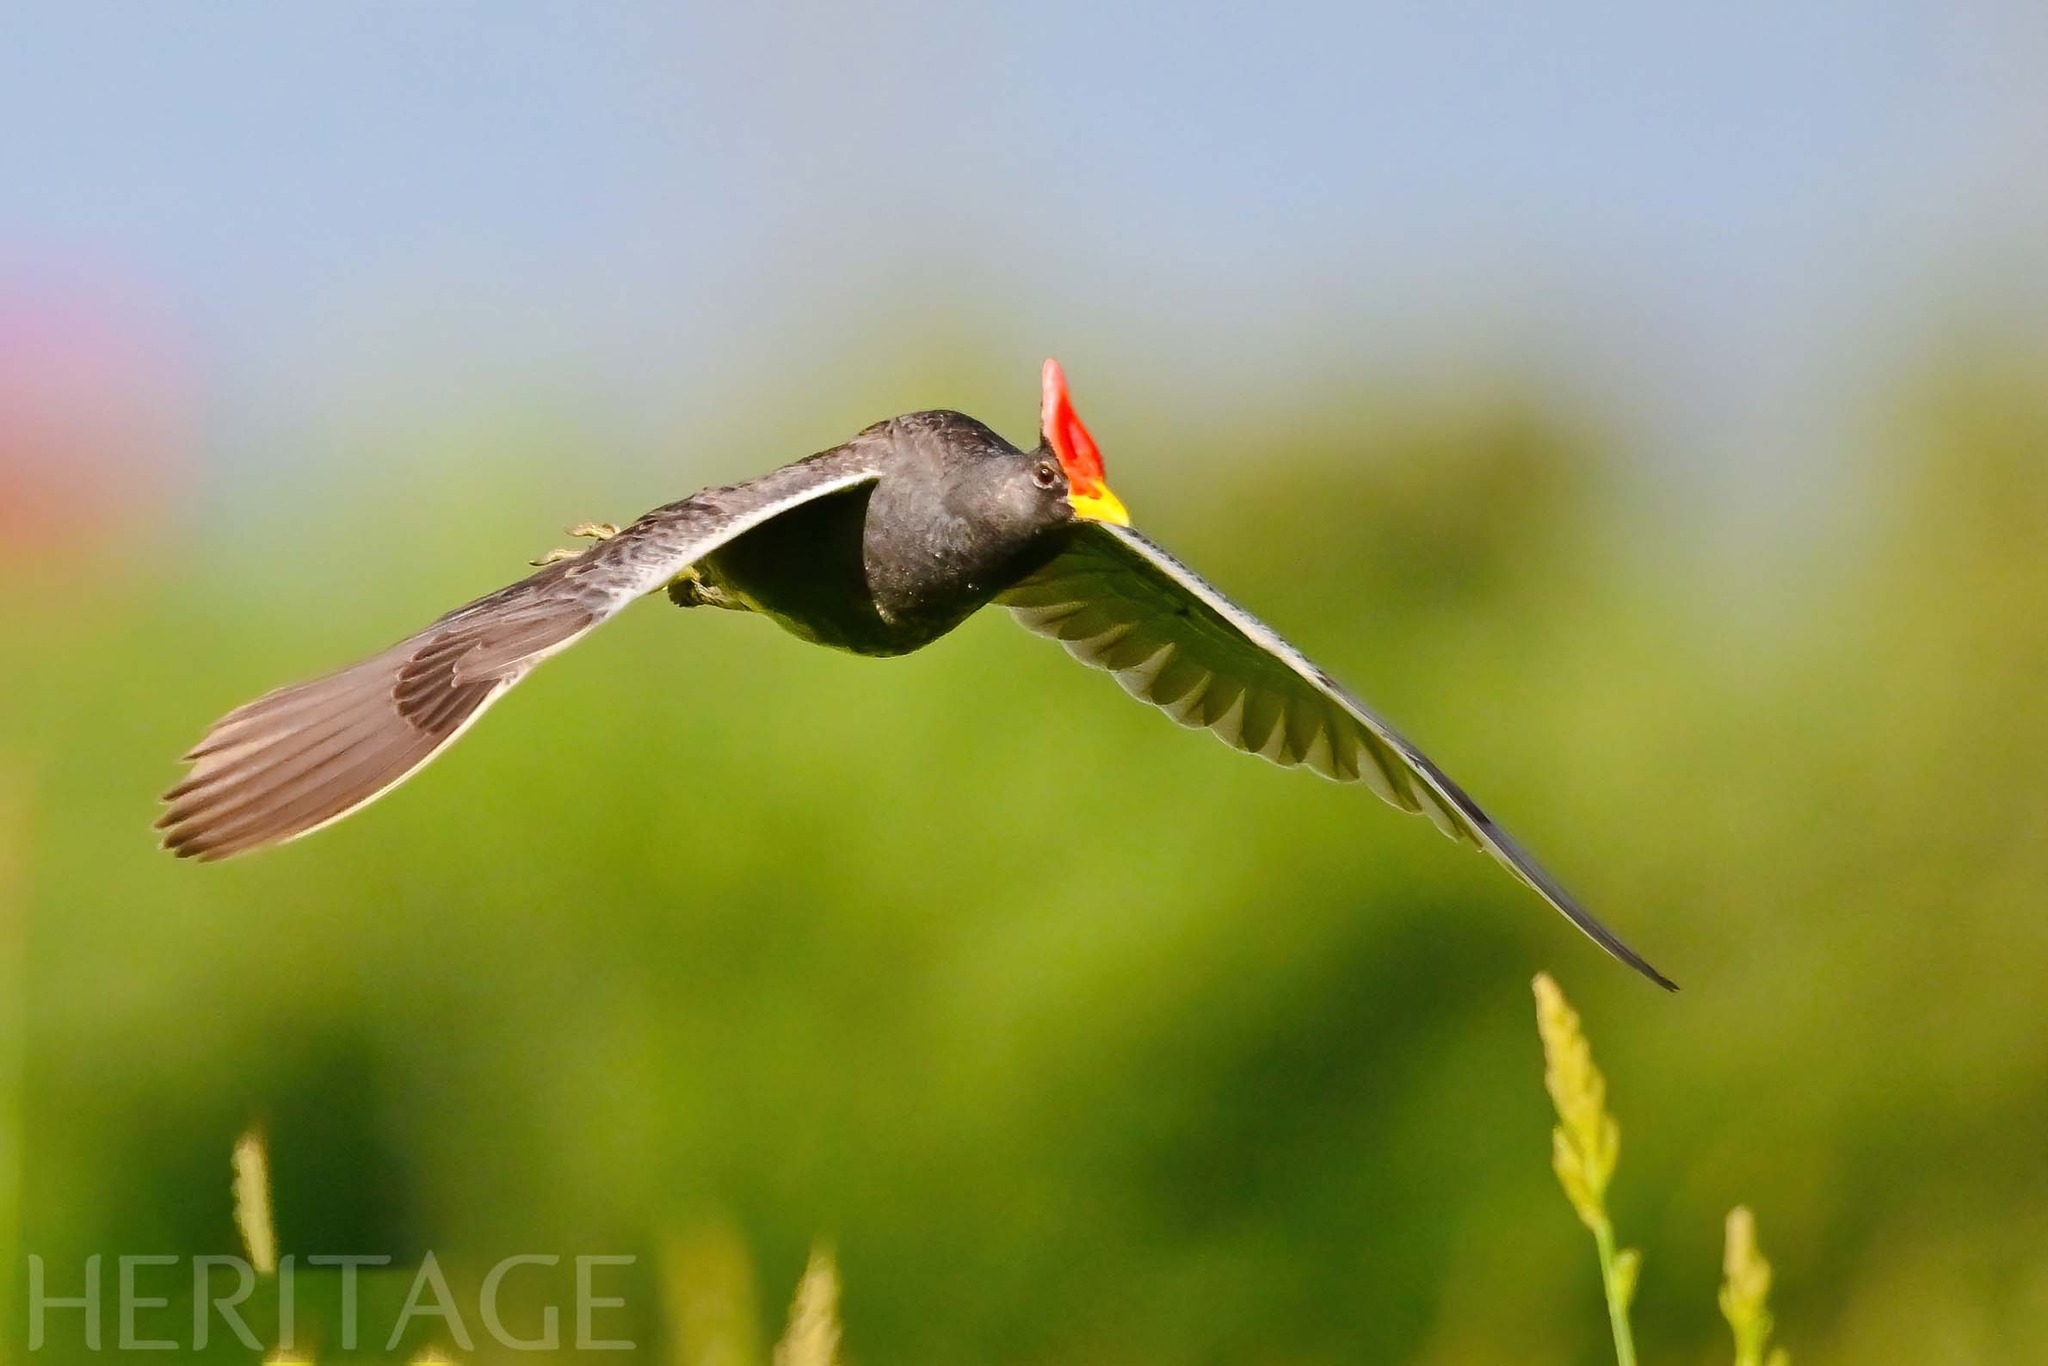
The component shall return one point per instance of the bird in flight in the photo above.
(879, 546)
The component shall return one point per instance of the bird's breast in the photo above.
(826, 574)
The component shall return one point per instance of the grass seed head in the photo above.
(812, 1338)
(252, 1201)
(1745, 1293)
(1586, 1142)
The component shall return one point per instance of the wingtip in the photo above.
(186, 844)
(174, 840)
(1629, 957)
(176, 832)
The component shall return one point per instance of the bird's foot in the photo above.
(596, 531)
(688, 589)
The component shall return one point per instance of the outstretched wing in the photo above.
(305, 756)
(1122, 603)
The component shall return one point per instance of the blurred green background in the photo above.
(1082, 1039)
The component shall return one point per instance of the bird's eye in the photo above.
(1047, 475)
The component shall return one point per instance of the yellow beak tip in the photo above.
(1100, 506)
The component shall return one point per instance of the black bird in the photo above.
(879, 546)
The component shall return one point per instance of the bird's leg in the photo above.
(596, 531)
(688, 589)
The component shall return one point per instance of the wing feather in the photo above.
(1118, 601)
(303, 757)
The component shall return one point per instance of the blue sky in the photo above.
(1720, 220)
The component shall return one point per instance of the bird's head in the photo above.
(1068, 442)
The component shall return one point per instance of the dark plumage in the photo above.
(955, 515)
(879, 546)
